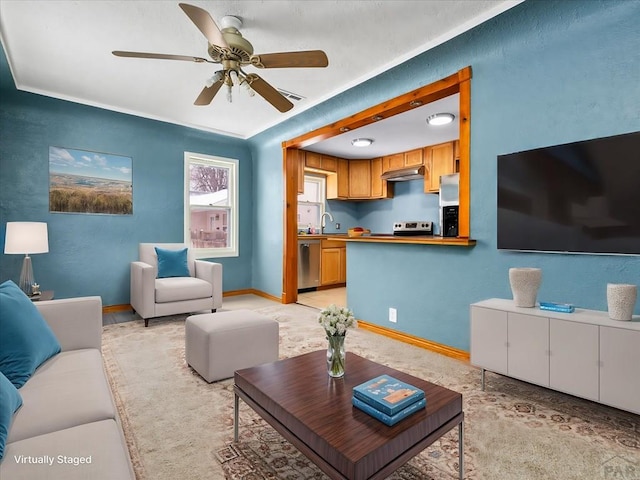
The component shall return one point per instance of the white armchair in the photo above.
(157, 297)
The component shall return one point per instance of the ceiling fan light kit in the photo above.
(440, 118)
(230, 49)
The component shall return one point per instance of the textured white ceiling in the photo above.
(63, 49)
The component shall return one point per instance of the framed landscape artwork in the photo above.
(89, 182)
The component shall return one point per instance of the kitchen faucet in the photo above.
(322, 221)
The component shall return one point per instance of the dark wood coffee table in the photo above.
(297, 398)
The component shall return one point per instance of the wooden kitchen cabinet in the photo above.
(439, 160)
(379, 188)
(338, 183)
(414, 158)
(359, 178)
(313, 160)
(321, 163)
(333, 262)
(329, 164)
(392, 162)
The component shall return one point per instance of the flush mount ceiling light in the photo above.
(361, 142)
(440, 118)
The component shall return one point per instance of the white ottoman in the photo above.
(218, 344)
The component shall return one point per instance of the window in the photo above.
(211, 205)
(311, 203)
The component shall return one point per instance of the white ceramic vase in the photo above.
(525, 283)
(621, 299)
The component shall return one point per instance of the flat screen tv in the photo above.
(581, 197)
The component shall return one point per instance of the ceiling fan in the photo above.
(228, 48)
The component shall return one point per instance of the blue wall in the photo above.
(90, 254)
(544, 73)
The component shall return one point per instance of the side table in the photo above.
(45, 295)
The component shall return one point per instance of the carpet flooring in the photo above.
(180, 427)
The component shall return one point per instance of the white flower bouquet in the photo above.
(336, 320)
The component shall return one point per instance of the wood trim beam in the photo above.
(290, 226)
(464, 218)
(430, 93)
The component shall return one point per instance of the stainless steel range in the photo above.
(421, 227)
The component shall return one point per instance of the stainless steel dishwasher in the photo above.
(308, 263)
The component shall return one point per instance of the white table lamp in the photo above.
(26, 238)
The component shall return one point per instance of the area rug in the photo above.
(180, 427)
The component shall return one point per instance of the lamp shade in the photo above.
(26, 238)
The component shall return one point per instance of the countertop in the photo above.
(390, 238)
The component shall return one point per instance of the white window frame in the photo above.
(232, 249)
(322, 188)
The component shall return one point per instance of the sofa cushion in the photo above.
(68, 390)
(172, 263)
(25, 338)
(10, 401)
(177, 289)
(95, 451)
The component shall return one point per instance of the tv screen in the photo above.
(581, 197)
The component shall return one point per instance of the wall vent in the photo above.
(290, 95)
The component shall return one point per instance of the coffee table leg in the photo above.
(235, 416)
(461, 450)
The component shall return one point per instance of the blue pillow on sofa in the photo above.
(26, 340)
(172, 263)
(10, 401)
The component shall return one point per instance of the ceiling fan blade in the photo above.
(309, 58)
(205, 24)
(207, 94)
(160, 56)
(270, 94)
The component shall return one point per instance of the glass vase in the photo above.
(335, 356)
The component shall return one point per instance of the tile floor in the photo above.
(324, 298)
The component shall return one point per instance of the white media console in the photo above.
(583, 353)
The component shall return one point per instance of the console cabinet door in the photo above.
(489, 339)
(619, 365)
(529, 348)
(573, 358)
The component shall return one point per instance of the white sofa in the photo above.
(68, 427)
(157, 297)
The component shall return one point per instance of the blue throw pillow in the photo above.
(26, 340)
(172, 263)
(10, 401)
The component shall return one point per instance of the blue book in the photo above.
(387, 394)
(389, 419)
(557, 307)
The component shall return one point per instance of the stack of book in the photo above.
(388, 399)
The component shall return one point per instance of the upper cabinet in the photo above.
(440, 160)
(414, 158)
(358, 180)
(325, 163)
(379, 188)
(393, 162)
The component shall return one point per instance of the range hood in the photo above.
(403, 174)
